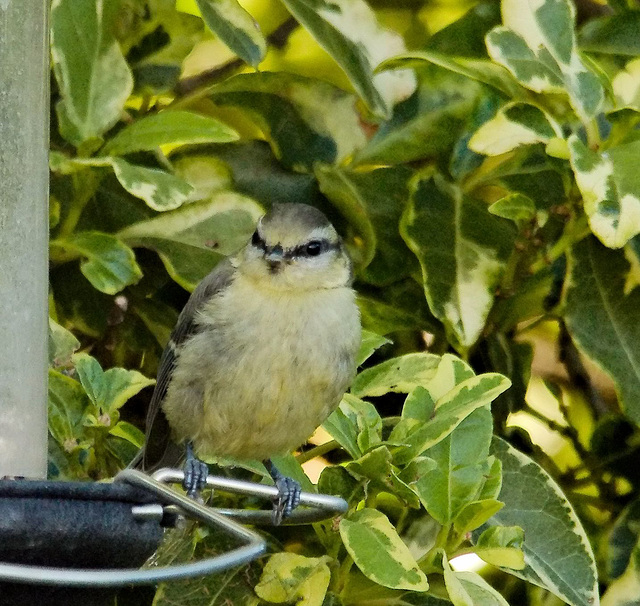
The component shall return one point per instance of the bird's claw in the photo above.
(287, 500)
(195, 477)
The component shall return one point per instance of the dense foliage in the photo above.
(481, 162)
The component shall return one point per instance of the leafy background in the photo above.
(480, 159)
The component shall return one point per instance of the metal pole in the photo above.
(24, 134)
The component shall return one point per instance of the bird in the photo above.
(263, 350)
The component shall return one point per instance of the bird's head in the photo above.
(294, 247)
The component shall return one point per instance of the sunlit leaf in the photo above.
(349, 32)
(400, 374)
(514, 125)
(235, 27)
(168, 128)
(159, 189)
(379, 552)
(537, 45)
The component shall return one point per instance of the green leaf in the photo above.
(349, 32)
(338, 481)
(128, 432)
(109, 264)
(602, 316)
(168, 128)
(288, 466)
(355, 425)
(537, 44)
(609, 183)
(93, 76)
(556, 549)
(376, 467)
(475, 513)
(426, 124)
(400, 374)
(67, 405)
(62, 344)
(232, 586)
(516, 207)
(289, 577)
(162, 191)
(470, 589)
(379, 552)
(451, 410)
(91, 377)
(623, 538)
(461, 464)
(465, 36)
(624, 590)
(305, 120)
(502, 546)
(120, 385)
(493, 480)
(514, 125)
(373, 202)
(419, 405)
(613, 34)
(194, 238)
(370, 342)
(235, 27)
(383, 318)
(463, 251)
(452, 371)
(480, 70)
(111, 389)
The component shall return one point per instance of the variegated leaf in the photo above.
(610, 184)
(514, 125)
(463, 251)
(537, 44)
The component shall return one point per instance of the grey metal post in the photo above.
(24, 135)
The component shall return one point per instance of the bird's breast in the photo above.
(275, 365)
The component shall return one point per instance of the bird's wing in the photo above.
(157, 427)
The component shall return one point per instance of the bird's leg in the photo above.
(195, 473)
(288, 493)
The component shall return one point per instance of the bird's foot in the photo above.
(288, 495)
(195, 474)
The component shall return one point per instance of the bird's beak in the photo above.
(274, 258)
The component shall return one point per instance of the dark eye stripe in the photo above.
(257, 241)
(302, 251)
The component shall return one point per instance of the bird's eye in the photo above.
(314, 248)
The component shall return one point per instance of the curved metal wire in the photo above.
(313, 507)
(254, 545)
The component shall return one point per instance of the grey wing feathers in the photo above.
(157, 430)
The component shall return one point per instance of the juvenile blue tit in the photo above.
(263, 350)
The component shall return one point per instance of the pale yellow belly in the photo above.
(258, 385)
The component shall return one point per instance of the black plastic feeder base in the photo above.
(73, 525)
